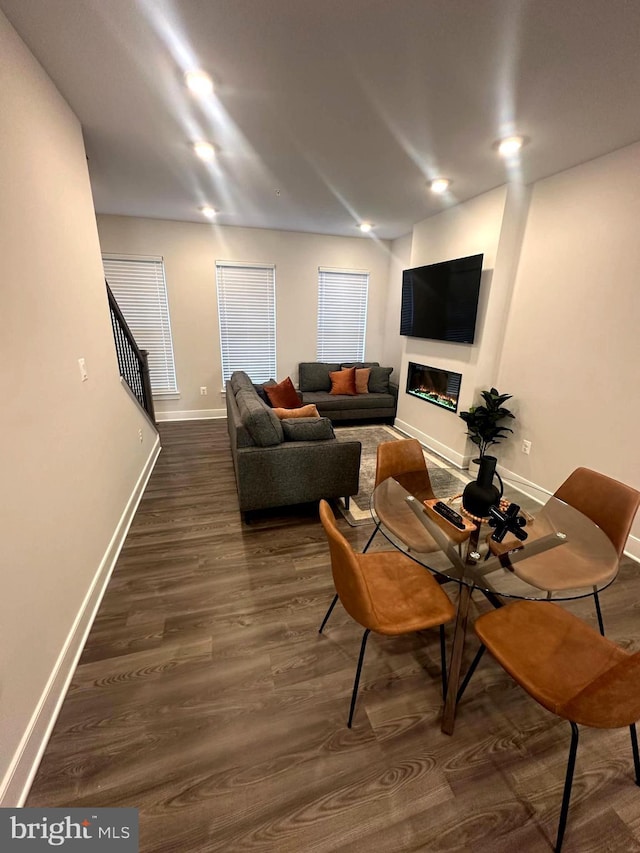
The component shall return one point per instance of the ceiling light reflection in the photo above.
(439, 185)
(510, 146)
(204, 150)
(199, 82)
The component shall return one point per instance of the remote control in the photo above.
(450, 514)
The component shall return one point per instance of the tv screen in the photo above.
(440, 301)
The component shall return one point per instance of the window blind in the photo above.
(247, 315)
(342, 314)
(139, 287)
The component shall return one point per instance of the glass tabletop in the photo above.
(564, 556)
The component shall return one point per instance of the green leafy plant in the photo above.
(483, 421)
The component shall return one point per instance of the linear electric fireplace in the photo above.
(440, 387)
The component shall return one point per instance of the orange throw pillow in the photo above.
(283, 394)
(343, 381)
(362, 379)
(308, 411)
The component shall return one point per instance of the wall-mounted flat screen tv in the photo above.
(440, 301)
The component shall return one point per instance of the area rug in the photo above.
(444, 478)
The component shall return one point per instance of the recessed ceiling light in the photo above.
(510, 146)
(199, 82)
(208, 211)
(440, 185)
(365, 226)
(204, 150)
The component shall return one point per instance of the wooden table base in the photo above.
(459, 636)
(455, 664)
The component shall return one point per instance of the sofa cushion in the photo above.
(283, 394)
(307, 429)
(379, 380)
(345, 402)
(258, 419)
(314, 375)
(239, 380)
(308, 411)
(358, 364)
(343, 381)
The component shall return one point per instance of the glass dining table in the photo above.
(564, 556)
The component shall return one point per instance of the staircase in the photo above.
(132, 361)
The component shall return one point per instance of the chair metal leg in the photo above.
(598, 611)
(443, 663)
(377, 527)
(356, 682)
(347, 501)
(636, 756)
(566, 796)
(328, 613)
(470, 671)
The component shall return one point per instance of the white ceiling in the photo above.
(328, 112)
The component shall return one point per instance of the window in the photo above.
(247, 314)
(342, 314)
(140, 290)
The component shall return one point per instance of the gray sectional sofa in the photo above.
(283, 462)
(315, 386)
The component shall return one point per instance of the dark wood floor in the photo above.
(206, 698)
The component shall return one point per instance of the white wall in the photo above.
(466, 229)
(557, 325)
(70, 455)
(393, 344)
(190, 251)
(572, 348)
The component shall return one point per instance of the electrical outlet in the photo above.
(140, 435)
(203, 390)
(526, 447)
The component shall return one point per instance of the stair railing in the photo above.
(132, 361)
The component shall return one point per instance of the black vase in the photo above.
(481, 494)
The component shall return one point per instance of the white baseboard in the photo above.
(447, 453)
(14, 788)
(633, 548)
(192, 415)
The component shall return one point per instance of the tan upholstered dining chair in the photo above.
(385, 592)
(404, 461)
(610, 504)
(569, 668)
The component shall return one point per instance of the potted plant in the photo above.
(483, 421)
(484, 429)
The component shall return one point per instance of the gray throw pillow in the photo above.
(314, 375)
(307, 429)
(262, 393)
(379, 380)
(360, 364)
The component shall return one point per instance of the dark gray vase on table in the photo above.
(481, 493)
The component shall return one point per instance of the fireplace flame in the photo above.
(441, 390)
